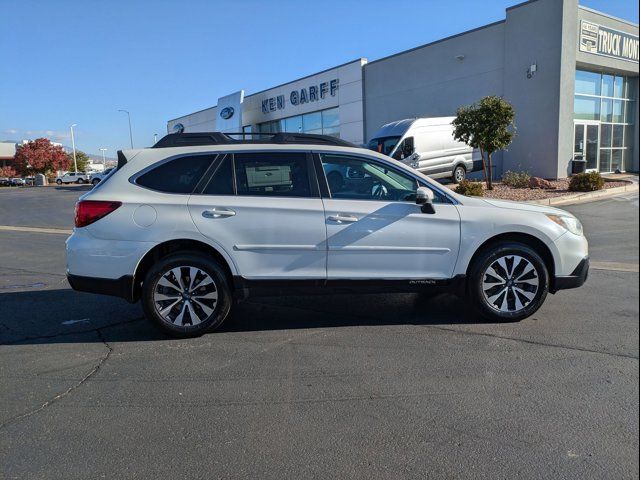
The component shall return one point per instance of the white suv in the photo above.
(73, 177)
(201, 219)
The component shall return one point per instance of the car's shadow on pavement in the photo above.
(65, 316)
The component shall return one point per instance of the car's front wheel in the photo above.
(508, 282)
(95, 181)
(59, 182)
(459, 174)
(186, 295)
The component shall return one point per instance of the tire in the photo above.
(80, 181)
(459, 174)
(496, 291)
(59, 182)
(95, 181)
(160, 288)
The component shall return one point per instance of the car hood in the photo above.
(527, 207)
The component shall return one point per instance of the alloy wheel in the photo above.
(185, 296)
(510, 283)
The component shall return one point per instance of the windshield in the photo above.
(383, 145)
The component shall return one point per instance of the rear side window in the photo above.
(273, 174)
(180, 175)
(221, 182)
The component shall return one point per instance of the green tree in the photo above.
(488, 126)
(82, 160)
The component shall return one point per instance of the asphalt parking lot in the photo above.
(371, 386)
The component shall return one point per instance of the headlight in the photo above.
(565, 221)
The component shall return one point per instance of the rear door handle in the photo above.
(342, 218)
(218, 213)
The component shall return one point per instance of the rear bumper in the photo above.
(116, 287)
(577, 278)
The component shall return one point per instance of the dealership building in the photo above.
(570, 72)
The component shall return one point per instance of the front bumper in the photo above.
(575, 280)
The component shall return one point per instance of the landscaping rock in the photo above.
(541, 183)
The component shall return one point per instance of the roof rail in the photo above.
(219, 138)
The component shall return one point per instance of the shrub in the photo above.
(586, 182)
(516, 179)
(469, 188)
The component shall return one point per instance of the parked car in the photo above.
(4, 182)
(73, 177)
(97, 177)
(427, 144)
(17, 182)
(195, 222)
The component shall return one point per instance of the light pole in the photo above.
(73, 146)
(130, 134)
(104, 161)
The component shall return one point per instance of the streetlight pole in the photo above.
(73, 146)
(130, 134)
(104, 161)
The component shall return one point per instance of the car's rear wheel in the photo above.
(186, 295)
(459, 174)
(508, 282)
(80, 181)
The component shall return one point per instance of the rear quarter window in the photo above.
(179, 175)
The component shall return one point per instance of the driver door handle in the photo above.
(218, 212)
(342, 218)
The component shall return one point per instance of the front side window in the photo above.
(180, 175)
(359, 179)
(272, 174)
(383, 145)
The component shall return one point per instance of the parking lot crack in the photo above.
(103, 359)
(532, 342)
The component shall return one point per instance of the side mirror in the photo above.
(424, 197)
(408, 147)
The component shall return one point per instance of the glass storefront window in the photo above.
(330, 118)
(607, 85)
(325, 122)
(293, 124)
(605, 160)
(586, 108)
(618, 87)
(618, 131)
(588, 82)
(312, 122)
(606, 111)
(618, 111)
(605, 134)
(616, 159)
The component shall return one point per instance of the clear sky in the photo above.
(79, 61)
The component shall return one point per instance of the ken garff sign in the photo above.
(226, 113)
(606, 41)
(304, 95)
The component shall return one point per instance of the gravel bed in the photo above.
(505, 192)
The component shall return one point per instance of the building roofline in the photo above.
(277, 86)
(521, 4)
(308, 76)
(628, 22)
(489, 25)
(192, 113)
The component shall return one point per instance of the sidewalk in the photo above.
(583, 197)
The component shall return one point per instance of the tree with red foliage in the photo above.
(40, 156)
(8, 172)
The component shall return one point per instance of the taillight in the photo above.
(89, 211)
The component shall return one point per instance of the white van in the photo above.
(427, 144)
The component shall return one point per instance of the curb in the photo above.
(587, 196)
